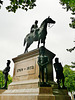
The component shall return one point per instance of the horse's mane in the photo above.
(43, 22)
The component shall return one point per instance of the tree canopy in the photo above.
(69, 5)
(69, 75)
(22, 4)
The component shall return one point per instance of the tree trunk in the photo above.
(72, 96)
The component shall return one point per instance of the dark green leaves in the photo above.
(72, 24)
(1, 2)
(69, 5)
(22, 4)
(69, 78)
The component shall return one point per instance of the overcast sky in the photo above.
(15, 26)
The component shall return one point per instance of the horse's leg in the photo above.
(44, 43)
(26, 49)
(27, 46)
(38, 43)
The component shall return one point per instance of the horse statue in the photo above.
(38, 35)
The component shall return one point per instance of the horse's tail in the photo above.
(24, 41)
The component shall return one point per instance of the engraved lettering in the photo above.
(19, 70)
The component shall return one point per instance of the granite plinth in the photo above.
(26, 70)
(2, 90)
(25, 85)
(41, 93)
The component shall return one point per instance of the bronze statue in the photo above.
(38, 35)
(5, 72)
(43, 60)
(34, 26)
(59, 72)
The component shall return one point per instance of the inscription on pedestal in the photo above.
(26, 67)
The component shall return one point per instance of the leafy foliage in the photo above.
(2, 80)
(1, 2)
(71, 49)
(69, 5)
(73, 64)
(22, 4)
(72, 24)
(9, 80)
(69, 78)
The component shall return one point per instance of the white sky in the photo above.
(15, 26)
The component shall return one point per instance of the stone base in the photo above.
(2, 90)
(25, 85)
(33, 97)
(41, 93)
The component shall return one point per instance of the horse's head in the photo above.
(49, 20)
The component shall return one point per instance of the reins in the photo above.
(50, 26)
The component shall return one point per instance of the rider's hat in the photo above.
(36, 21)
(8, 61)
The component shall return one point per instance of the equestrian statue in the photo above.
(37, 34)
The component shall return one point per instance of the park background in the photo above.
(15, 26)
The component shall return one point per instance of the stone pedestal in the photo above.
(25, 85)
(41, 93)
(2, 90)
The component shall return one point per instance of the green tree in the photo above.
(2, 80)
(69, 5)
(23, 4)
(71, 49)
(69, 75)
(73, 64)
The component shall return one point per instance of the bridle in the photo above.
(50, 24)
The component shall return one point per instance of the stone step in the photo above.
(60, 92)
(2, 90)
(33, 97)
(40, 90)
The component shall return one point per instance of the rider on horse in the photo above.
(34, 27)
(37, 34)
